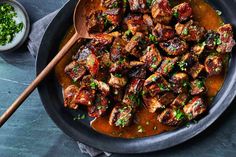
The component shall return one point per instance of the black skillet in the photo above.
(51, 95)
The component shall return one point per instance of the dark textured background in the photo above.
(31, 133)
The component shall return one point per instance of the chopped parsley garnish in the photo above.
(218, 12)
(93, 85)
(128, 33)
(115, 5)
(121, 122)
(118, 75)
(199, 83)
(176, 14)
(153, 66)
(153, 39)
(185, 31)
(154, 59)
(179, 115)
(217, 41)
(183, 65)
(149, 3)
(8, 26)
(79, 117)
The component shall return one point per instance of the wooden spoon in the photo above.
(83, 8)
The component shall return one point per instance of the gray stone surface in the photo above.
(31, 133)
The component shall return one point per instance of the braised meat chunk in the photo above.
(197, 87)
(138, 6)
(70, 97)
(117, 81)
(167, 65)
(212, 40)
(134, 46)
(183, 12)
(195, 70)
(92, 64)
(226, 39)
(161, 11)
(180, 101)
(151, 103)
(187, 61)
(135, 23)
(174, 47)
(163, 32)
(112, 16)
(191, 31)
(171, 117)
(111, 3)
(121, 116)
(99, 107)
(195, 108)
(151, 58)
(96, 21)
(179, 82)
(166, 99)
(213, 65)
(118, 49)
(75, 70)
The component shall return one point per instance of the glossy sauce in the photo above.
(145, 123)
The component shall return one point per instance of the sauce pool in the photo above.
(145, 123)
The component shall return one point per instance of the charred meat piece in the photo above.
(95, 22)
(179, 82)
(179, 101)
(212, 39)
(86, 96)
(190, 31)
(134, 45)
(120, 67)
(195, 70)
(174, 47)
(167, 65)
(135, 23)
(183, 12)
(166, 99)
(137, 71)
(105, 60)
(100, 42)
(117, 81)
(109, 4)
(156, 84)
(121, 116)
(82, 54)
(148, 21)
(132, 94)
(161, 11)
(117, 94)
(92, 64)
(151, 103)
(213, 65)
(198, 49)
(113, 16)
(187, 61)
(197, 87)
(87, 80)
(75, 70)
(138, 6)
(103, 87)
(118, 49)
(195, 108)
(151, 58)
(70, 97)
(226, 38)
(163, 32)
(171, 117)
(99, 107)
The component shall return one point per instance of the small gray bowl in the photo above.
(20, 37)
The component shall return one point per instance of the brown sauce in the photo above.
(145, 123)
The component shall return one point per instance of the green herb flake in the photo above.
(128, 33)
(179, 115)
(8, 26)
(218, 12)
(93, 85)
(153, 66)
(153, 39)
(176, 14)
(79, 117)
(185, 31)
(118, 75)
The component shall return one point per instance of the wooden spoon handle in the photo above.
(7, 114)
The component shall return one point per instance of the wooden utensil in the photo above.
(82, 9)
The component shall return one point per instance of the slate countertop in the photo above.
(31, 133)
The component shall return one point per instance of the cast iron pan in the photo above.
(51, 95)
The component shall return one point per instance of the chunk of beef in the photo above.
(86, 81)
(75, 70)
(183, 12)
(166, 99)
(95, 22)
(198, 49)
(121, 67)
(109, 4)
(113, 16)
(117, 94)
(138, 6)
(163, 32)
(92, 64)
(180, 101)
(83, 53)
(161, 11)
(86, 96)
(118, 49)
(151, 103)
(132, 94)
(190, 31)
(151, 58)
(117, 81)
(135, 23)
(167, 65)
(156, 84)
(195, 70)
(121, 116)
(137, 70)
(212, 39)
(133, 47)
(148, 21)
(174, 47)
(99, 107)
(100, 41)
(179, 82)
(197, 87)
(213, 65)
(187, 61)
(105, 60)
(195, 108)
(70, 95)
(226, 38)
(171, 117)
(103, 87)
